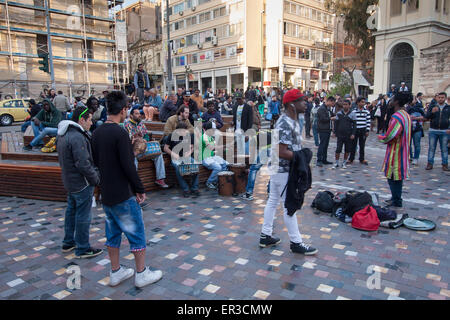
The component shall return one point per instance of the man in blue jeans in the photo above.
(79, 177)
(180, 155)
(44, 124)
(439, 116)
(122, 191)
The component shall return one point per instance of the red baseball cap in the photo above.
(292, 95)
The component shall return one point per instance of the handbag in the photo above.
(366, 219)
(268, 117)
(378, 112)
(152, 151)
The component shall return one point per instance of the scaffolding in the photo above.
(23, 23)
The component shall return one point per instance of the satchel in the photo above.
(366, 219)
(378, 112)
(152, 151)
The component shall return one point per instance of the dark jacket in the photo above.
(167, 110)
(75, 157)
(345, 124)
(247, 117)
(300, 180)
(193, 109)
(51, 118)
(439, 120)
(216, 115)
(323, 119)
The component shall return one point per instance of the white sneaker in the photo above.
(344, 166)
(119, 276)
(336, 165)
(415, 162)
(147, 277)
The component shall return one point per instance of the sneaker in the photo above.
(445, 167)
(147, 277)
(161, 183)
(303, 248)
(319, 164)
(210, 186)
(144, 205)
(68, 248)
(28, 148)
(336, 165)
(90, 253)
(344, 165)
(327, 162)
(267, 241)
(364, 162)
(429, 166)
(195, 194)
(186, 194)
(121, 275)
(247, 196)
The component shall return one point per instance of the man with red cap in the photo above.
(289, 141)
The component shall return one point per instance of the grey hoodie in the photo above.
(73, 144)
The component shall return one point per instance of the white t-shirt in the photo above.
(239, 116)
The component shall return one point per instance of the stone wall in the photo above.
(435, 70)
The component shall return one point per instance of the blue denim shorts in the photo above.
(125, 217)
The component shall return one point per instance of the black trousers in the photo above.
(360, 138)
(308, 126)
(324, 140)
(380, 124)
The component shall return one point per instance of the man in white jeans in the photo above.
(289, 141)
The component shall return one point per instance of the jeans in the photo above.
(277, 183)
(323, 146)
(159, 166)
(361, 137)
(78, 220)
(307, 126)
(25, 125)
(396, 187)
(125, 217)
(301, 121)
(254, 168)
(182, 182)
(315, 134)
(40, 132)
(415, 140)
(217, 165)
(434, 136)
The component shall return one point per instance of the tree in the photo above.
(355, 19)
(341, 84)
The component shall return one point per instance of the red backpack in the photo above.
(366, 219)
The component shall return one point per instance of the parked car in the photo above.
(13, 110)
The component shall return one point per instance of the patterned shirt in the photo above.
(362, 119)
(134, 128)
(289, 134)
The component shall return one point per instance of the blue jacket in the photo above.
(274, 107)
(206, 116)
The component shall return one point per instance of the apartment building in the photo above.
(83, 41)
(227, 44)
(300, 36)
(404, 31)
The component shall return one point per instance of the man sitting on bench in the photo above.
(135, 127)
(44, 124)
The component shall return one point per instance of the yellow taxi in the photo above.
(12, 110)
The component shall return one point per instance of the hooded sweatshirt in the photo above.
(75, 157)
(49, 119)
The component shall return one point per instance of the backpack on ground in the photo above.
(355, 201)
(323, 201)
(366, 219)
(385, 214)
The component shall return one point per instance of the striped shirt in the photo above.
(362, 119)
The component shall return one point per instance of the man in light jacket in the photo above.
(62, 104)
(80, 177)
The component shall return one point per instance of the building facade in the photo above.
(149, 53)
(404, 29)
(233, 44)
(83, 44)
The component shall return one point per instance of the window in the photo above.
(316, 35)
(314, 14)
(231, 51)
(286, 7)
(286, 51)
(396, 8)
(203, 17)
(158, 59)
(293, 8)
(220, 54)
(203, 1)
(303, 33)
(293, 51)
(191, 40)
(178, 8)
(41, 43)
(303, 53)
(90, 49)
(205, 56)
(189, 4)
(219, 12)
(306, 13)
(413, 5)
(19, 104)
(326, 57)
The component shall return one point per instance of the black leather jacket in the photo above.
(439, 120)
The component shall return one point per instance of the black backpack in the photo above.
(355, 201)
(323, 201)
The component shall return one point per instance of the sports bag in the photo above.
(323, 201)
(355, 201)
(385, 214)
(366, 219)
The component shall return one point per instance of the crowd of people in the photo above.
(95, 145)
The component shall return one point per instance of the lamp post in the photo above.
(169, 53)
(262, 50)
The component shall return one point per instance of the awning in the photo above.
(360, 80)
